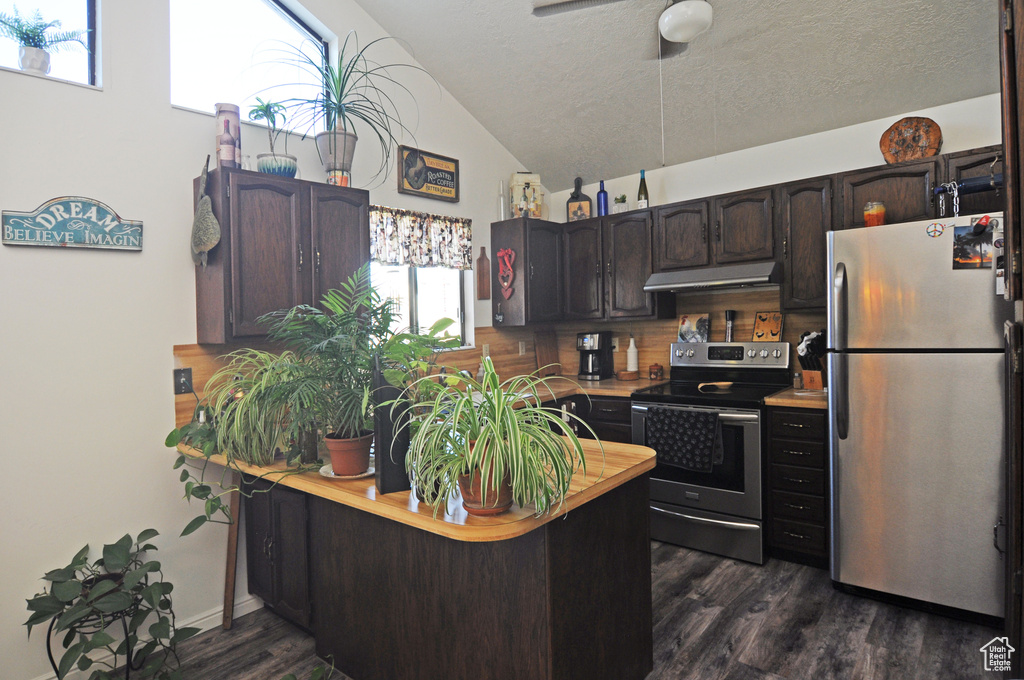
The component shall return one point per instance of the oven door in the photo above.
(733, 487)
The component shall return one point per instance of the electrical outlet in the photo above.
(182, 380)
(486, 350)
(615, 344)
(522, 347)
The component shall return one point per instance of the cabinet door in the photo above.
(340, 236)
(743, 226)
(269, 229)
(804, 215)
(544, 270)
(905, 189)
(582, 269)
(511, 310)
(259, 564)
(681, 236)
(290, 553)
(627, 258)
(976, 163)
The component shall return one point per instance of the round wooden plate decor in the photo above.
(910, 138)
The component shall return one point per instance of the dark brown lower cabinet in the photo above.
(609, 417)
(797, 504)
(277, 549)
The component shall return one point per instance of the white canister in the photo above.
(229, 136)
(632, 356)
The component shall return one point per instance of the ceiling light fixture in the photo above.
(683, 21)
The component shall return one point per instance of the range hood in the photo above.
(729, 276)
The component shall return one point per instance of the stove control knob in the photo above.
(679, 352)
(689, 352)
(751, 353)
(764, 354)
(777, 353)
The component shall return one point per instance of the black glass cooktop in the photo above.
(698, 394)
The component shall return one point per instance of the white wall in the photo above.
(965, 125)
(86, 335)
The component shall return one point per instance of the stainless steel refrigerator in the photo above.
(915, 401)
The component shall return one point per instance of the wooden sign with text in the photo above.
(71, 222)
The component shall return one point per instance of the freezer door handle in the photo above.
(840, 385)
(839, 305)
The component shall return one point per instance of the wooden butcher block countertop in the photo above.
(793, 397)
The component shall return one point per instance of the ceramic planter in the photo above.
(336, 150)
(349, 457)
(499, 499)
(281, 164)
(34, 60)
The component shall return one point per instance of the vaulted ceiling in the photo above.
(580, 92)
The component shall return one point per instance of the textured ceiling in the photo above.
(577, 93)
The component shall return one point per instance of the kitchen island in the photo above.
(397, 593)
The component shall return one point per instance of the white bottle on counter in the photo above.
(632, 356)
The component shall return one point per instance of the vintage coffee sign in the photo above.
(71, 222)
(427, 174)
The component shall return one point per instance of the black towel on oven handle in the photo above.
(685, 438)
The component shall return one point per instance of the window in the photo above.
(422, 295)
(72, 62)
(231, 50)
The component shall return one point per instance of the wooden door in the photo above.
(290, 555)
(743, 227)
(971, 164)
(904, 188)
(259, 564)
(681, 236)
(544, 271)
(269, 226)
(583, 270)
(627, 262)
(340, 235)
(508, 304)
(804, 214)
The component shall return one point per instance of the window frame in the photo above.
(414, 293)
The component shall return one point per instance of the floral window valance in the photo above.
(420, 239)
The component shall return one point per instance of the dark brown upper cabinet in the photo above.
(583, 269)
(535, 288)
(904, 188)
(681, 236)
(804, 215)
(743, 227)
(985, 162)
(283, 242)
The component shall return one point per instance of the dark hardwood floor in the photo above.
(714, 619)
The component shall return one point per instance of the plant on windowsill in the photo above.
(283, 164)
(86, 597)
(353, 91)
(36, 39)
(498, 432)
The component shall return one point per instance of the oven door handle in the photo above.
(742, 526)
(732, 417)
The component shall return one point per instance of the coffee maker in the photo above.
(595, 355)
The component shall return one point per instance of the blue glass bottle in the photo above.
(602, 201)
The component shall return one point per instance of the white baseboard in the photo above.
(206, 621)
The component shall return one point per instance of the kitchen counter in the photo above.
(793, 397)
(567, 386)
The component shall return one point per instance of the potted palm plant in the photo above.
(283, 164)
(495, 442)
(37, 39)
(353, 91)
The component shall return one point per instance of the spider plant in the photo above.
(497, 429)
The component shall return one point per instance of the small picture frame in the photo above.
(578, 210)
(694, 327)
(767, 327)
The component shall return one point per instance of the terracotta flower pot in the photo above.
(499, 500)
(349, 456)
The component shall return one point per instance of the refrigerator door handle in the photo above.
(839, 304)
(840, 382)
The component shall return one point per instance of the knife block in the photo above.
(813, 380)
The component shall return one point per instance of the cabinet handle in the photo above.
(608, 410)
(796, 425)
(718, 231)
(317, 260)
(798, 536)
(797, 507)
(796, 453)
(300, 257)
(785, 246)
(531, 271)
(796, 480)
(597, 269)
(609, 267)
(704, 233)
